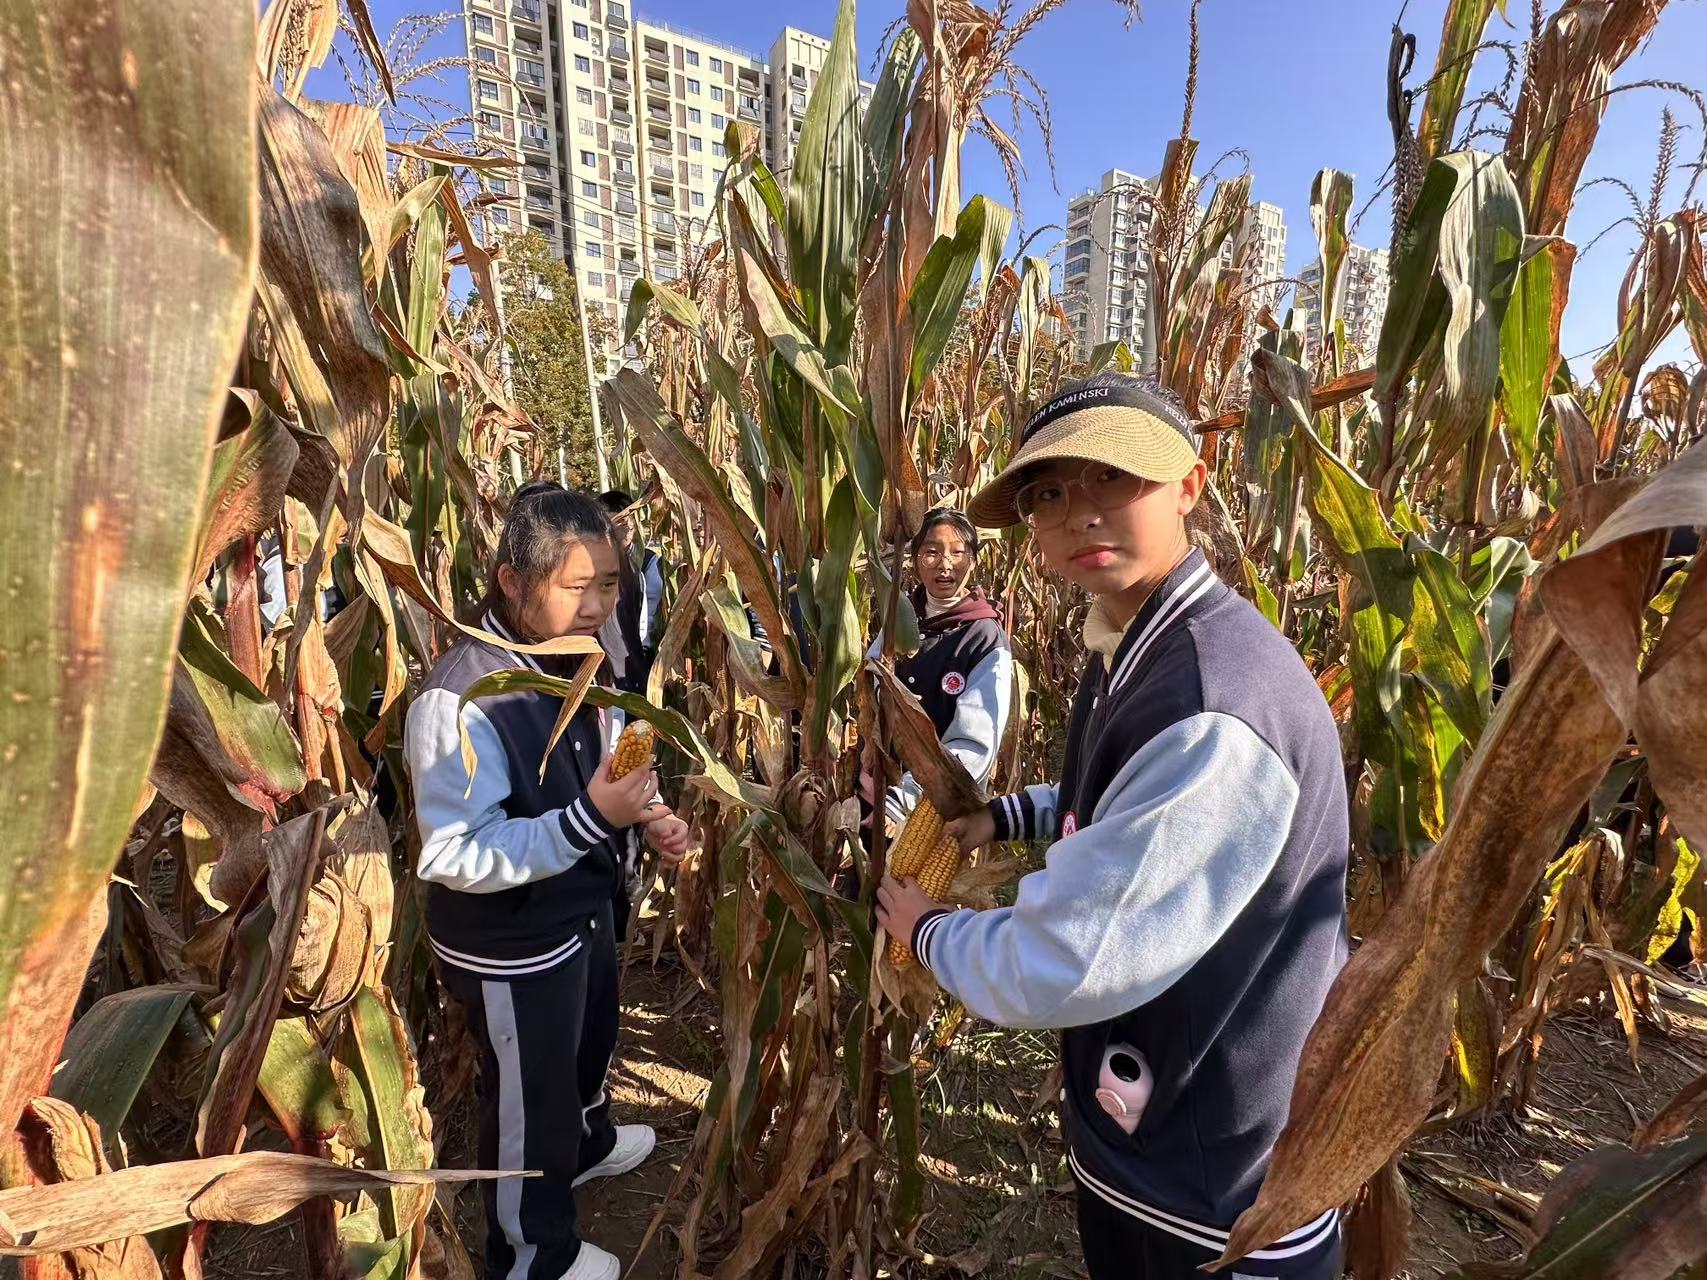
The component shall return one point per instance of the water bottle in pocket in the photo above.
(1123, 1085)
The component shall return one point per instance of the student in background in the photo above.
(525, 885)
(963, 669)
(628, 637)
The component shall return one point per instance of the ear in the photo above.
(1191, 487)
(510, 582)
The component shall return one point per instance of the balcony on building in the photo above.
(623, 177)
(628, 267)
(665, 274)
(797, 82)
(658, 86)
(524, 12)
(542, 203)
(747, 112)
(616, 22)
(659, 114)
(662, 221)
(535, 137)
(657, 53)
(664, 254)
(529, 48)
(622, 144)
(619, 50)
(662, 169)
(535, 79)
(663, 199)
(625, 204)
(621, 116)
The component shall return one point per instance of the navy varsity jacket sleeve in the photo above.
(467, 843)
(1027, 815)
(1183, 837)
(974, 735)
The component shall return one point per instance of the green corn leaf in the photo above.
(827, 196)
(127, 262)
(296, 1080)
(836, 594)
(939, 291)
(111, 1049)
(1330, 206)
(1460, 35)
(384, 1059)
(1529, 344)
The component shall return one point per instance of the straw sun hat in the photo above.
(1118, 419)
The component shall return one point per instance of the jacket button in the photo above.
(577, 746)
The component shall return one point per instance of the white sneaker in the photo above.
(593, 1263)
(634, 1142)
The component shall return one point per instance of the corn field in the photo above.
(227, 326)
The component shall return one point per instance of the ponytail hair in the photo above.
(545, 519)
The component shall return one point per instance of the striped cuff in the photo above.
(1015, 815)
(583, 825)
(925, 930)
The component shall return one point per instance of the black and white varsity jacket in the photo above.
(963, 675)
(1193, 908)
(516, 866)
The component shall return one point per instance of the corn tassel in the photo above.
(931, 857)
(633, 750)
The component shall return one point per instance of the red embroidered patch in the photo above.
(954, 684)
(1069, 824)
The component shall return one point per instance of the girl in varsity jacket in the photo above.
(525, 885)
(1191, 915)
(963, 670)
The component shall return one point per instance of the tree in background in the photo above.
(543, 333)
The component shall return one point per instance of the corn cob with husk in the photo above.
(633, 750)
(924, 852)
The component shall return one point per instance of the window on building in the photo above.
(717, 122)
(500, 217)
(693, 58)
(580, 29)
(800, 102)
(696, 144)
(616, 12)
(590, 218)
(583, 65)
(488, 91)
(717, 93)
(749, 102)
(693, 86)
(798, 71)
(717, 66)
(488, 56)
(500, 186)
(588, 158)
(595, 280)
(585, 127)
(531, 72)
(584, 96)
(717, 148)
(696, 172)
(594, 249)
(590, 190)
(482, 24)
(699, 199)
(694, 116)
(491, 120)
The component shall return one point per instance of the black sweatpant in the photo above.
(546, 1041)
(1119, 1246)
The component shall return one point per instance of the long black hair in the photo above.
(545, 519)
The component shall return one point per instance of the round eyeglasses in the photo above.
(1044, 503)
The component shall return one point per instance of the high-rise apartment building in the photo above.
(618, 124)
(1106, 278)
(1363, 300)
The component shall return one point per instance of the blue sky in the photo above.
(1296, 84)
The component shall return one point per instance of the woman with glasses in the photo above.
(963, 670)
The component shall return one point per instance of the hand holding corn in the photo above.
(921, 868)
(623, 788)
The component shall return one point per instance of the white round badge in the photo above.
(954, 684)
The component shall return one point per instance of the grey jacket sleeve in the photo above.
(466, 841)
(1186, 833)
(651, 597)
(974, 736)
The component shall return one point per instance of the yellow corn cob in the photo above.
(633, 750)
(924, 852)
